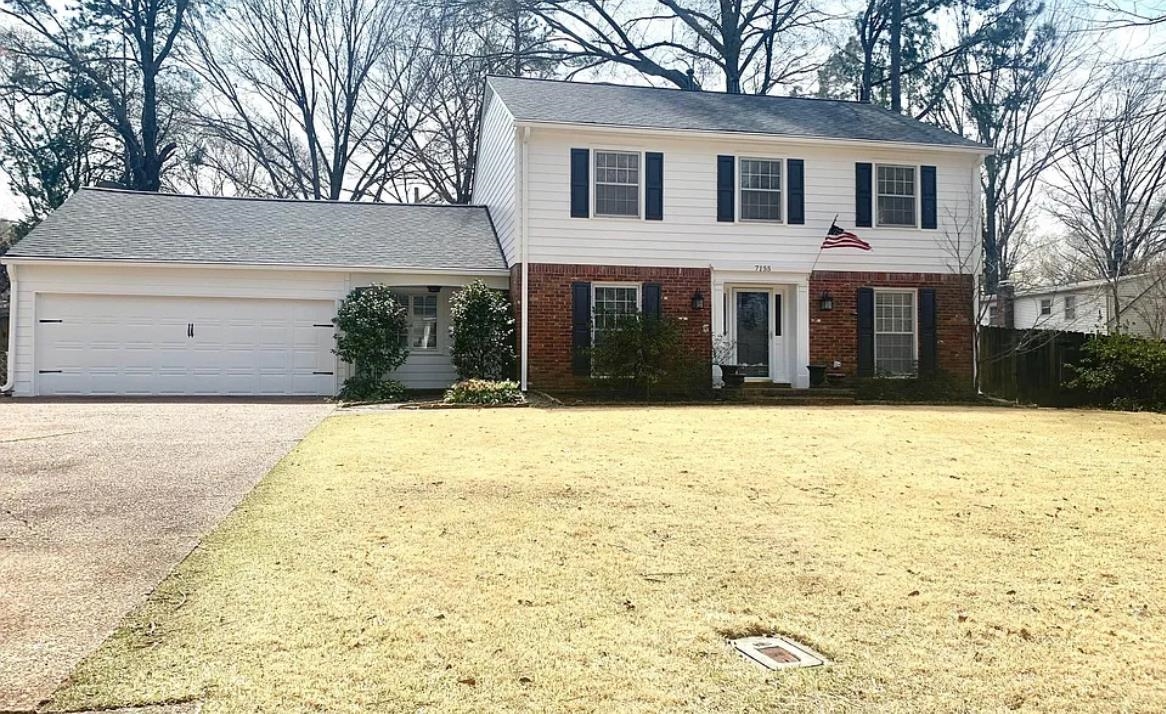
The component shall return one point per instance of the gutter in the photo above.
(13, 305)
(321, 267)
(783, 138)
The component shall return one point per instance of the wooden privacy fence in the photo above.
(1029, 365)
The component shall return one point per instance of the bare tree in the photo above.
(114, 57)
(317, 93)
(1014, 91)
(1109, 190)
(747, 46)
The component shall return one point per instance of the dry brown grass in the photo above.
(594, 559)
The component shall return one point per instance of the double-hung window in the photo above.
(611, 303)
(897, 197)
(894, 338)
(1046, 306)
(617, 184)
(1070, 307)
(423, 323)
(761, 190)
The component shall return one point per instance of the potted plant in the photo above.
(724, 350)
(817, 374)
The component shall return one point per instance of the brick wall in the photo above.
(550, 312)
(834, 334)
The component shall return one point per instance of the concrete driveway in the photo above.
(100, 500)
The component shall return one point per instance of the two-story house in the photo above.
(593, 200)
(713, 208)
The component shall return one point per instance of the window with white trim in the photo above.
(1046, 306)
(894, 328)
(1070, 307)
(760, 190)
(611, 303)
(423, 322)
(617, 184)
(896, 196)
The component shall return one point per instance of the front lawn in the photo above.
(595, 559)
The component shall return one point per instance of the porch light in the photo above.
(697, 300)
(826, 302)
(434, 288)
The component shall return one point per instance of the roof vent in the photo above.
(774, 652)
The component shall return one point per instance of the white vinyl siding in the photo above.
(760, 190)
(496, 180)
(617, 184)
(894, 339)
(691, 236)
(896, 196)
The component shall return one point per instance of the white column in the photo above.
(802, 332)
(719, 317)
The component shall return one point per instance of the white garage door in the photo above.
(135, 345)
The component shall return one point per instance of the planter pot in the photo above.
(835, 378)
(817, 374)
(731, 375)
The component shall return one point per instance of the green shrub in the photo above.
(372, 336)
(644, 358)
(1122, 372)
(484, 391)
(482, 332)
(935, 388)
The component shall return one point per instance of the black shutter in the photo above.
(580, 183)
(866, 332)
(581, 328)
(654, 186)
(651, 300)
(927, 196)
(862, 195)
(928, 334)
(726, 168)
(796, 200)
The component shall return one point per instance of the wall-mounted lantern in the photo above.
(697, 300)
(434, 288)
(826, 302)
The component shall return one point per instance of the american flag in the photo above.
(840, 238)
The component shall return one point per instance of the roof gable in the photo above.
(540, 100)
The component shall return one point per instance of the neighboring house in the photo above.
(131, 293)
(711, 209)
(1086, 306)
(706, 208)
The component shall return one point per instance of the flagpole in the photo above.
(820, 244)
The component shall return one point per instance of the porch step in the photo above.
(788, 396)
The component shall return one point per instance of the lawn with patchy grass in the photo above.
(596, 559)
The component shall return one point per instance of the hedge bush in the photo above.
(484, 391)
(645, 358)
(482, 333)
(372, 336)
(1122, 372)
(937, 388)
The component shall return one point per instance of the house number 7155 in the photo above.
(763, 268)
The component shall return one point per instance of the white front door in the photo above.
(145, 345)
(758, 327)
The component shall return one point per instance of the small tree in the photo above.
(372, 336)
(642, 356)
(482, 332)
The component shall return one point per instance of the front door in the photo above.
(758, 327)
(753, 332)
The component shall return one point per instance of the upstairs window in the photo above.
(617, 184)
(760, 190)
(1070, 307)
(896, 196)
(423, 323)
(1046, 306)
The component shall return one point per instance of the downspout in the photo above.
(524, 252)
(13, 305)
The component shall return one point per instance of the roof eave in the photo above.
(789, 138)
(10, 259)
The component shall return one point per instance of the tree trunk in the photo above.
(896, 55)
(992, 267)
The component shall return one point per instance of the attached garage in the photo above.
(130, 294)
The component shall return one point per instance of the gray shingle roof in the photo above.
(126, 225)
(615, 105)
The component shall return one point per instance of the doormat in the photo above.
(775, 652)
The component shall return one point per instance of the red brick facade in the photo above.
(834, 334)
(550, 311)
